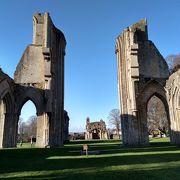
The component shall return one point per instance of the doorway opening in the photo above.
(27, 125)
(157, 121)
(95, 134)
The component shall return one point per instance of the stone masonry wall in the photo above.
(139, 65)
(173, 96)
(39, 77)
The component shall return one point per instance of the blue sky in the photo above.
(90, 28)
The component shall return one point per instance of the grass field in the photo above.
(160, 160)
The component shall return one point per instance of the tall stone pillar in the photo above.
(42, 139)
(173, 96)
(141, 68)
(41, 68)
(2, 119)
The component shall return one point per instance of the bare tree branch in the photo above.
(156, 115)
(173, 62)
(115, 120)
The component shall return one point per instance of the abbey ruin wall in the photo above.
(39, 77)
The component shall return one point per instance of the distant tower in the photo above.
(87, 120)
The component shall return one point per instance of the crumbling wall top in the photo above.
(142, 25)
(4, 76)
(43, 28)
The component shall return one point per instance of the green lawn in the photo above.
(160, 160)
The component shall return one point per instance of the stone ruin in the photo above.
(173, 98)
(142, 74)
(39, 77)
(95, 130)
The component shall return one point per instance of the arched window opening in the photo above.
(157, 121)
(27, 125)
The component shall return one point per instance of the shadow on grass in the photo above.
(66, 162)
(148, 174)
(94, 141)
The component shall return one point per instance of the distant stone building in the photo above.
(95, 130)
(113, 134)
(76, 135)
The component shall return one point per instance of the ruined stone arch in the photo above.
(150, 89)
(35, 95)
(153, 88)
(142, 73)
(173, 98)
(32, 94)
(95, 130)
(164, 102)
(175, 115)
(4, 102)
(7, 106)
(39, 77)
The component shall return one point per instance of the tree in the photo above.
(21, 127)
(115, 120)
(27, 129)
(156, 116)
(32, 124)
(173, 62)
